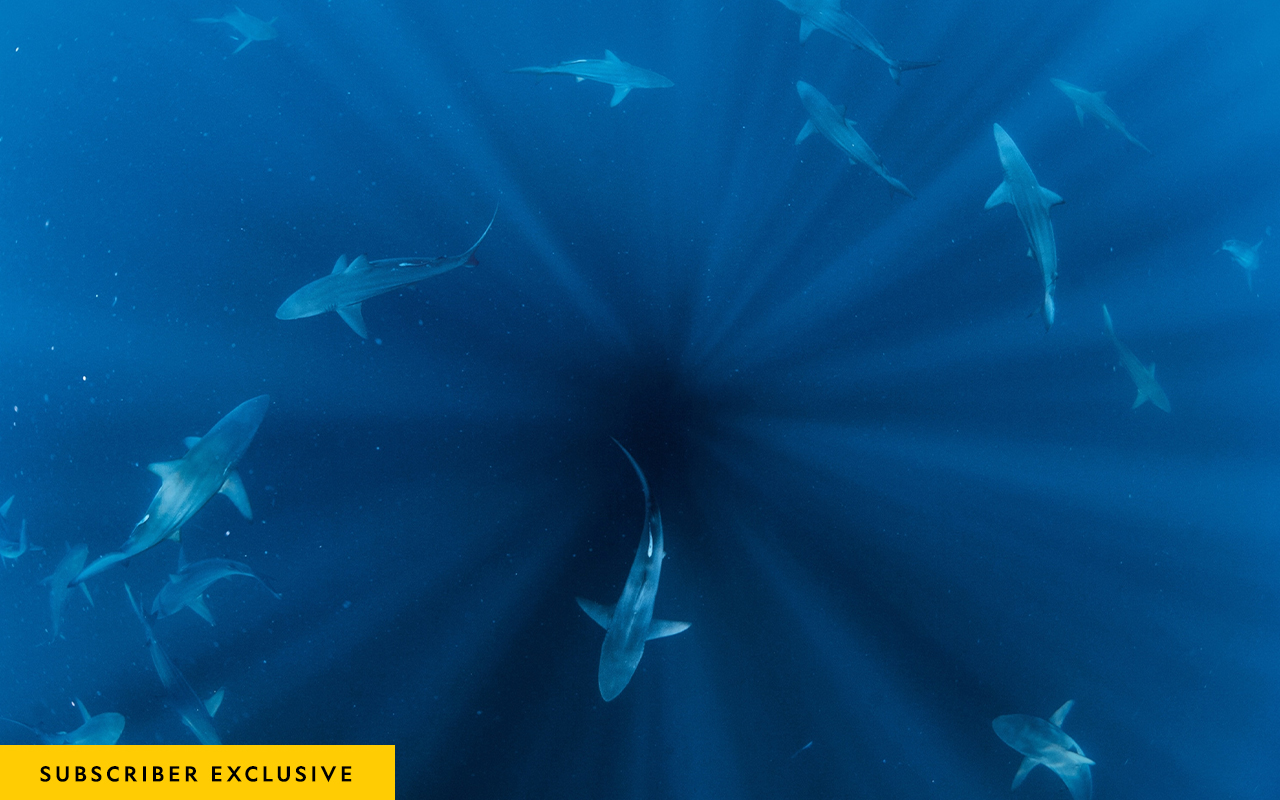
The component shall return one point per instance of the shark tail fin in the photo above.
(1111, 331)
(644, 484)
(4, 509)
(665, 627)
(1049, 309)
(1023, 770)
(472, 261)
(898, 186)
(898, 67)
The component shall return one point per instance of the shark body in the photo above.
(623, 77)
(629, 623)
(831, 123)
(828, 15)
(195, 713)
(100, 729)
(1143, 377)
(348, 285)
(1087, 102)
(187, 484)
(9, 548)
(1245, 256)
(186, 588)
(1032, 202)
(1043, 742)
(61, 582)
(247, 25)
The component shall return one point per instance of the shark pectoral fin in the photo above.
(619, 94)
(242, 46)
(84, 712)
(176, 536)
(1152, 369)
(1024, 769)
(197, 605)
(214, 702)
(233, 488)
(1060, 715)
(191, 441)
(1002, 194)
(84, 587)
(665, 627)
(602, 614)
(579, 79)
(1080, 114)
(352, 316)
(806, 29)
(805, 132)
(1140, 399)
(610, 57)
(340, 265)
(1051, 198)
(163, 469)
(4, 509)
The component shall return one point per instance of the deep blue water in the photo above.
(895, 506)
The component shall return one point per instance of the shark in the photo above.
(829, 120)
(100, 729)
(1143, 377)
(623, 77)
(61, 581)
(195, 713)
(828, 15)
(186, 588)
(1043, 742)
(247, 25)
(9, 548)
(349, 284)
(188, 483)
(629, 623)
(1032, 202)
(1094, 103)
(1244, 255)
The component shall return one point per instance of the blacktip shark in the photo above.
(1094, 103)
(1244, 255)
(1143, 377)
(196, 714)
(349, 285)
(61, 582)
(829, 120)
(623, 77)
(827, 15)
(187, 484)
(1032, 201)
(1043, 742)
(629, 623)
(8, 548)
(187, 586)
(97, 729)
(247, 25)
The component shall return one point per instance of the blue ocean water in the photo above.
(895, 506)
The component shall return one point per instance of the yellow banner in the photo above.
(194, 771)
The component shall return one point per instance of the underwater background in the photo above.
(895, 506)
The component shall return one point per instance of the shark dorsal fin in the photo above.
(214, 702)
(340, 265)
(1060, 715)
(4, 509)
(84, 712)
(609, 56)
(191, 441)
(360, 264)
(164, 469)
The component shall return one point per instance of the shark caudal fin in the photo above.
(1048, 309)
(472, 261)
(898, 186)
(1111, 331)
(898, 67)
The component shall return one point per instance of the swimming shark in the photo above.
(623, 77)
(101, 729)
(61, 581)
(1143, 377)
(629, 623)
(349, 285)
(1095, 103)
(827, 15)
(247, 25)
(186, 588)
(830, 122)
(1032, 202)
(1043, 742)
(9, 548)
(196, 714)
(1244, 255)
(187, 484)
